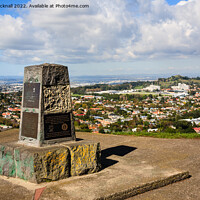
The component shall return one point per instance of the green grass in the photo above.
(161, 135)
(139, 87)
(148, 93)
(76, 95)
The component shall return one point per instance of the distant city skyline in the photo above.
(109, 37)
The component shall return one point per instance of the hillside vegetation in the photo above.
(163, 82)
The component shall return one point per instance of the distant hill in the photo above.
(11, 79)
(174, 80)
(163, 82)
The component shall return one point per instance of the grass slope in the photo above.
(161, 135)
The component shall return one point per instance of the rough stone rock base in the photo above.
(49, 163)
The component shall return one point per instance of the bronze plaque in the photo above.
(30, 125)
(57, 126)
(31, 95)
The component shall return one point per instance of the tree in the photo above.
(101, 129)
(150, 96)
(184, 127)
(146, 124)
(84, 127)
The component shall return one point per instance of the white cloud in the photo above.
(172, 35)
(115, 30)
(182, 3)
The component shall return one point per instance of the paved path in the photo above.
(122, 157)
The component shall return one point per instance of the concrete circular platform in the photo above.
(127, 161)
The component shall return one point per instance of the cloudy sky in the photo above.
(109, 37)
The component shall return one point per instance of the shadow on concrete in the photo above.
(78, 139)
(121, 150)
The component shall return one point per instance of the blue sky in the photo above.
(173, 2)
(15, 13)
(12, 12)
(170, 2)
(110, 37)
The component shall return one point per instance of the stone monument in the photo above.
(46, 114)
(47, 149)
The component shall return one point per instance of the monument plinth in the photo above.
(46, 118)
(46, 114)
